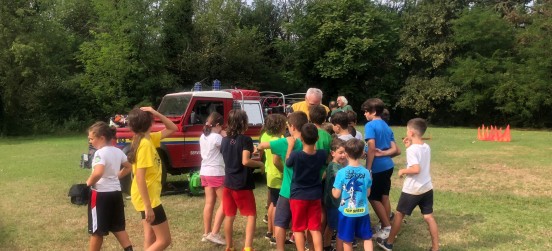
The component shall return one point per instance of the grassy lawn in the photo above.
(488, 196)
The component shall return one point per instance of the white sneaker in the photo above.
(216, 238)
(204, 237)
(383, 233)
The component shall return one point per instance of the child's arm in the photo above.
(95, 175)
(248, 162)
(170, 127)
(291, 144)
(413, 169)
(263, 146)
(290, 160)
(371, 153)
(392, 152)
(336, 193)
(127, 168)
(278, 162)
(143, 190)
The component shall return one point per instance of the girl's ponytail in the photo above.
(214, 119)
(131, 156)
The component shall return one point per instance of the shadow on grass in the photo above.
(6, 238)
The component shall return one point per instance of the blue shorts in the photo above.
(349, 227)
(282, 214)
(332, 216)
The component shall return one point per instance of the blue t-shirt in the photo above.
(306, 181)
(383, 135)
(354, 183)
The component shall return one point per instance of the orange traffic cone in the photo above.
(507, 137)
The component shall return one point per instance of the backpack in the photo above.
(79, 193)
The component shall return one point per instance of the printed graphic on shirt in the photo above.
(354, 183)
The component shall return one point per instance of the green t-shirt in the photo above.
(342, 109)
(279, 147)
(324, 140)
(331, 171)
(273, 175)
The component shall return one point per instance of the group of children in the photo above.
(316, 181)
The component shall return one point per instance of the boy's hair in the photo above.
(275, 124)
(237, 122)
(352, 116)
(332, 104)
(139, 122)
(309, 134)
(318, 114)
(340, 118)
(328, 127)
(373, 105)
(385, 115)
(418, 125)
(101, 128)
(214, 119)
(298, 119)
(336, 144)
(354, 148)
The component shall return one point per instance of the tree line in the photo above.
(66, 63)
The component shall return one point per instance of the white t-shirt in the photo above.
(112, 158)
(420, 183)
(212, 163)
(358, 135)
(345, 137)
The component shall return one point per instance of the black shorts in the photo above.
(274, 194)
(106, 213)
(160, 215)
(381, 184)
(407, 202)
(282, 215)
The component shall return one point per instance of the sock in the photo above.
(247, 249)
(129, 248)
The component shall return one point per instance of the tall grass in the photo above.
(488, 196)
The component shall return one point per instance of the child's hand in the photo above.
(379, 153)
(223, 133)
(407, 142)
(401, 173)
(149, 109)
(150, 215)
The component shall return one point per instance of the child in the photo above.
(282, 216)
(339, 159)
(306, 188)
(275, 127)
(236, 151)
(352, 116)
(340, 123)
(379, 137)
(212, 176)
(352, 185)
(417, 189)
(147, 169)
(106, 210)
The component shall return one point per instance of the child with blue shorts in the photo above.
(352, 185)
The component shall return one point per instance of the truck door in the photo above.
(195, 120)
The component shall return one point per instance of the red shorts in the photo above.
(238, 199)
(305, 214)
(212, 181)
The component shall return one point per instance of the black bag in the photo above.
(79, 194)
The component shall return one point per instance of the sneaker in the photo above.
(272, 241)
(291, 239)
(248, 249)
(383, 233)
(376, 229)
(268, 235)
(355, 243)
(216, 238)
(334, 237)
(384, 245)
(204, 238)
(265, 219)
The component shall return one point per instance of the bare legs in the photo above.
(211, 195)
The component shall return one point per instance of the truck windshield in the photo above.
(174, 105)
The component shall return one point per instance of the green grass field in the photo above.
(488, 196)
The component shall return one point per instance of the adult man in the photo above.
(312, 98)
(342, 105)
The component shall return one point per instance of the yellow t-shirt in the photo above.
(303, 106)
(148, 158)
(273, 175)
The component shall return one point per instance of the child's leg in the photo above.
(299, 240)
(96, 242)
(433, 231)
(316, 239)
(380, 210)
(219, 216)
(122, 237)
(339, 244)
(250, 230)
(210, 200)
(149, 235)
(162, 235)
(387, 205)
(368, 245)
(271, 227)
(396, 227)
(347, 246)
(280, 235)
(327, 236)
(228, 228)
